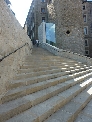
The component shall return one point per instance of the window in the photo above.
(43, 10)
(43, 19)
(28, 33)
(86, 42)
(33, 34)
(43, 1)
(84, 7)
(49, 1)
(85, 18)
(90, 11)
(31, 27)
(87, 52)
(33, 24)
(85, 30)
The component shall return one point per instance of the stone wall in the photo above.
(12, 37)
(67, 15)
(35, 17)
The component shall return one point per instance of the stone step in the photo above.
(86, 114)
(37, 61)
(53, 68)
(43, 58)
(40, 112)
(35, 79)
(46, 65)
(43, 85)
(38, 69)
(47, 57)
(63, 61)
(51, 63)
(63, 71)
(70, 111)
(84, 118)
(66, 61)
(49, 92)
(24, 90)
(33, 74)
(44, 69)
(44, 61)
(29, 81)
(50, 58)
(40, 72)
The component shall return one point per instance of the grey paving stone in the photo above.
(30, 117)
(60, 116)
(83, 118)
(88, 111)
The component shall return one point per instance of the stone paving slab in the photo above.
(87, 111)
(72, 108)
(18, 83)
(29, 75)
(51, 105)
(86, 114)
(49, 71)
(30, 117)
(83, 118)
(36, 79)
(18, 92)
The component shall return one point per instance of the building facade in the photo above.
(67, 16)
(36, 14)
(87, 18)
(68, 19)
(9, 5)
(7, 2)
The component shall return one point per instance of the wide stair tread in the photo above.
(70, 111)
(86, 114)
(38, 97)
(40, 112)
(26, 73)
(45, 88)
(50, 63)
(25, 70)
(35, 79)
(44, 76)
(24, 90)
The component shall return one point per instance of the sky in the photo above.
(21, 8)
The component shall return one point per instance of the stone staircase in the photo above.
(49, 88)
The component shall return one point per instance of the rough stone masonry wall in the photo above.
(12, 37)
(67, 15)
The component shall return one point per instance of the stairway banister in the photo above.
(67, 54)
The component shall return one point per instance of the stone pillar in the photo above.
(42, 33)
